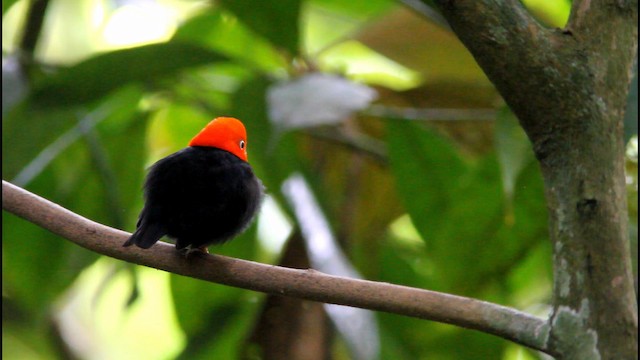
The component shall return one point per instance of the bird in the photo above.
(202, 195)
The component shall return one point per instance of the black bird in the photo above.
(202, 195)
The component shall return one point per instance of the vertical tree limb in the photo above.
(568, 88)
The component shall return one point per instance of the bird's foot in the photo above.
(186, 251)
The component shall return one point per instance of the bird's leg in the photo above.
(186, 251)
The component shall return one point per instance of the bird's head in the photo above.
(225, 133)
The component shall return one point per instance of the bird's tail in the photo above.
(145, 236)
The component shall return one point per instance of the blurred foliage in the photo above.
(451, 203)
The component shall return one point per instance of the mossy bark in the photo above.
(568, 88)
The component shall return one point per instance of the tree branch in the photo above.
(568, 88)
(517, 54)
(309, 284)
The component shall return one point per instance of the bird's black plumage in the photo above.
(198, 196)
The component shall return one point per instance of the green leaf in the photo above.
(355, 8)
(121, 183)
(6, 4)
(29, 130)
(214, 29)
(474, 253)
(426, 168)
(473, 216)
(458, 209)
(100, 168)
(551, 13)
(38, 267)
(514, 152)
(24, 135)
(277, 21)
(101, 74)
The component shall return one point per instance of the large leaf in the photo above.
(514, 152)
(354, 8)
(426, 168)
(327, 22)
(412, 338)
(458, 209)
(103, 73)
(473, 217)
(6, 4)
(478, 232)
(27, 131)
(37, 267)
(214, 30)
(277, 21)
(473, 252)
(551, 13)
(100, 184)
(435, 52)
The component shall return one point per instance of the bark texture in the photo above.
(568, 88)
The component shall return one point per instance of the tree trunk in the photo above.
(568, 88)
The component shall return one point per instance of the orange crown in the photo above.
(225, 133)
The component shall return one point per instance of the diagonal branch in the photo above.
(517, 54)
(309, 284)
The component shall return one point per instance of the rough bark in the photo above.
(568, 88)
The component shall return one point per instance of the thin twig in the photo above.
(363, 144)
(49, 153)
(430, 114)
(32, 29)
(502, 321)
(428, 12)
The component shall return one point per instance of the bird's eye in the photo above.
(242, 144)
